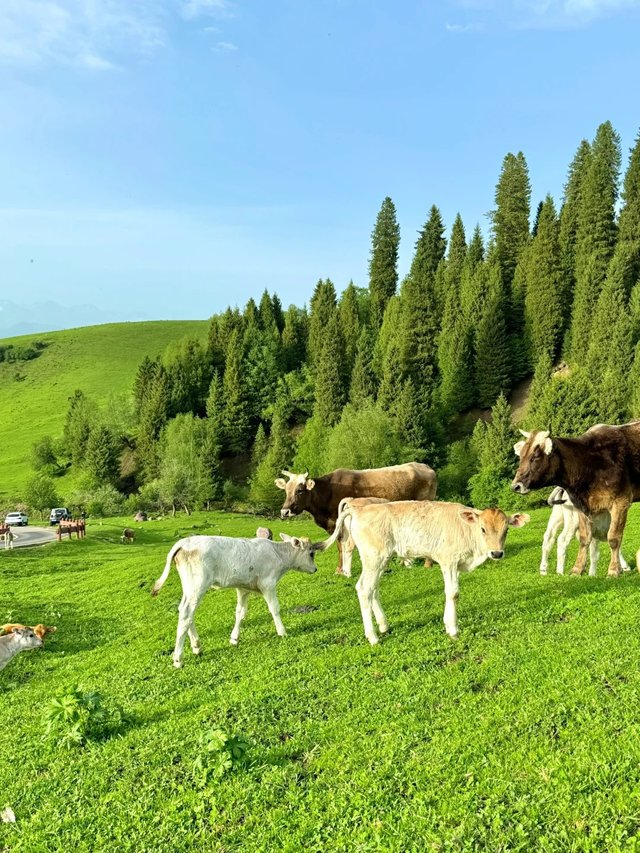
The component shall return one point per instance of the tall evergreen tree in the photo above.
(629, 223)
(237, 415)
(383, 261)
(154, 414)
(569, 215)
(536, 219)
(323, 304)
(543, 309)
(215, 408)
(510, 219)
(81, 416)
(349, 321)
(363, 379)
(541, 379)
(455, 359)
(279, 455)
(294, 338)
(596, 233)
(493, 350)
(102, 459)
(455, 262)
(330, 390)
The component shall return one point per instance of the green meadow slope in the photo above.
(100, 360)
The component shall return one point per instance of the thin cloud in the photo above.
(96, 35)
(553, 14)
(464, 28)
(226, 46)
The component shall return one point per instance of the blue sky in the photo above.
(164, 158)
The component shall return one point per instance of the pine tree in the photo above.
(81, 416)
(455, 359)
(260, 447)
(493, 351)
(216, 344)
(596, 233)
(294, 338)
(330, 391)
(634, 385)
(142, 382)
(629, 222)
(569, 215)
(536, 220)
(383, 261)
(276, 307)
(237, 415)
(215, 408)
(541, 379)
(363, 379)
(263, 491)
(323, 304)
(543, 309)
(349, 321)
(102, 459)
(455, 262)
(510, 219)
(389, 333)
(154, 413)
(391, 380)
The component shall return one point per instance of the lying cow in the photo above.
(127, 535)
(7, 537)
(321, 497)
(17, 641)
(222, 562)
(456, 537)
(39, 630)
(600, 470)
(566, 518)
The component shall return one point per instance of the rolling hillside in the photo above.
(100, 360)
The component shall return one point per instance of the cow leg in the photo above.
(564, 540)
(594, 556)
(347, 557)
(450, 577)
(585, 540)
(241, 612)
(185, 619)
(271, 597)
(339, 569)
(366, 587)
(614, 537)
(378, 612)
(623, 564)
(553, 528)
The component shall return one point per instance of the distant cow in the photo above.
(600, 471)
(456, 537)
(321, 497)
(7, 537)
(127, 535)
(221, 562)
(264, 533)
(566, 518)
(17, 641)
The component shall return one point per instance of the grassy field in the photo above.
(522, 735)
(100, 360)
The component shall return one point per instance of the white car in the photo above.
(19, 519)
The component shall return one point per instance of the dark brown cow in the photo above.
(600, 470)
(321, 497)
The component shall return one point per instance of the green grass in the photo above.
(522, 735)
(100, 360)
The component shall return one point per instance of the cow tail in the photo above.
(170, 558)
(322, 546)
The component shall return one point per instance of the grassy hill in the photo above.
(520, 736)
(100, 360)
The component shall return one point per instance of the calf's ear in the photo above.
(310, 484)
(469, 516)
(285, 537)
(518, 519)
(280, 483)
(517, 448)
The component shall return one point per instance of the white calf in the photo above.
(16, 642)
(221, 562)
(456, 537)
(7, 538)
(566, 518)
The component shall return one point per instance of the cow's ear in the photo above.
(285, 537)
(310, 484)
(548, 445)
(469, 515)
(280, 483)
(517, 448)
(518, 519)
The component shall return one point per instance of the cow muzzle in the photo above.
(286, 513)
(519, 487)
(496, 555)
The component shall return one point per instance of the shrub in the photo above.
(72, 718)
(104, 501)
(218, 754)
(366, 438)
(454, 476)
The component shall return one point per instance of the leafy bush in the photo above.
(218, 754)
(366, 438)
(234, 496)
(72, 718)
(104, 501)
(454, 476)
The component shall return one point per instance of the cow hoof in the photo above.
(197, 650)
(373, 640)
(613, 573)
(340, 571)
(384, 629)
(234, 641)
(177, 664)
(543, 572)
(576, 570)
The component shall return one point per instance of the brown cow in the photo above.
(320, 497)
(600, 471)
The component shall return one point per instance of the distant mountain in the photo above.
(16, 319)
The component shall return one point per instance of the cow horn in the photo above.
(306, 474)
(525, 434)
(287, 474)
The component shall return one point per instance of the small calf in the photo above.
(15, 642)
(39, 630)
(565, 520)
(7, 537)
(264, 533)
(127, 535)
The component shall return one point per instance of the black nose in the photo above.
(497, 555)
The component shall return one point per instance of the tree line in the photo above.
(399, 370)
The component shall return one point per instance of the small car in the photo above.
(17, 519)
(60, 513)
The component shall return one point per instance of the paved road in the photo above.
(24, 536)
